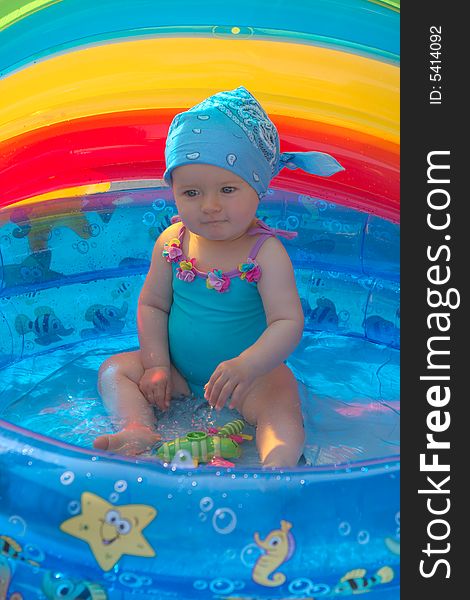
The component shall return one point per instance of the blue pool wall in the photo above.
(61, 262)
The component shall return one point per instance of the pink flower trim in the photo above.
(186, 271)
(250, 271)
(172, 251)
(217, 281)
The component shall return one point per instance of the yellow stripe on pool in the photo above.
(300, 80)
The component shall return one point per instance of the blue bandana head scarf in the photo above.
(232, 131)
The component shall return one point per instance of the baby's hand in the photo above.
(155, 385)
(231, 378)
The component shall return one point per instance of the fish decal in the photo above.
(381, 330)
(356, 582)
(158, 228)
(31, 297)
(20, 218)
(278, 547)
(324, 314)
(9, 548)
(135, 264)
(35, 268)
(105, 318)
(105, 216)
(320, 245)
(47, 327)
(103, 206)
(56, 586)
(37, 226)
(123, 290)
(393, 545)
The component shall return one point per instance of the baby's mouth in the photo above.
(214, 221)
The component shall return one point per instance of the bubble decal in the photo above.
(224, 521)
(159, 204)
(200, 585)
(120, 486)
(221, 586)
(82, 247)
(206, 504)
(148, 219)
(304, 586)
(344, 528)
(67, 478)
(250, 554)
(19, 522)
(363, 537)
(73, 507)
(131, 580)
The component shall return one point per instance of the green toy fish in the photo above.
(203, 447)
(56, 586)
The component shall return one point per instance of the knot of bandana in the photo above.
(231, 130)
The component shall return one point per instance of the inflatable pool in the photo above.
(88, 90)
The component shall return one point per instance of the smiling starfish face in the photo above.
(110, 530)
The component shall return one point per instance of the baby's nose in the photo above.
(211, 203)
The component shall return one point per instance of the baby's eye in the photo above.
(190, 193)
(228, 189)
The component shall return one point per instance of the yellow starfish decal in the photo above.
(111, 530)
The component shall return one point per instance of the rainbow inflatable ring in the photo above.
(88, 90)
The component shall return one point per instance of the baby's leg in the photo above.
(118, 384)
(273, 405)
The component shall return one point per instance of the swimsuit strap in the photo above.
(266, 232)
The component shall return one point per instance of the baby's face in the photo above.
(213, 202)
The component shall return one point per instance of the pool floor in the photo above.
(349, 389)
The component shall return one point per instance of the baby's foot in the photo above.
(131, 441)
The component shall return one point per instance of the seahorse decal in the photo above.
(278, 547)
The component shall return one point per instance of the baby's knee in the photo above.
(283, 386)
(110, 370)
(125, 364)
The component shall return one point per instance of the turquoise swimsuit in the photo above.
(214, 316)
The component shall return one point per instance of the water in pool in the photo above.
(55, 394)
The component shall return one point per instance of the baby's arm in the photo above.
(284, 315)
(285, 323)
(152, 324)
